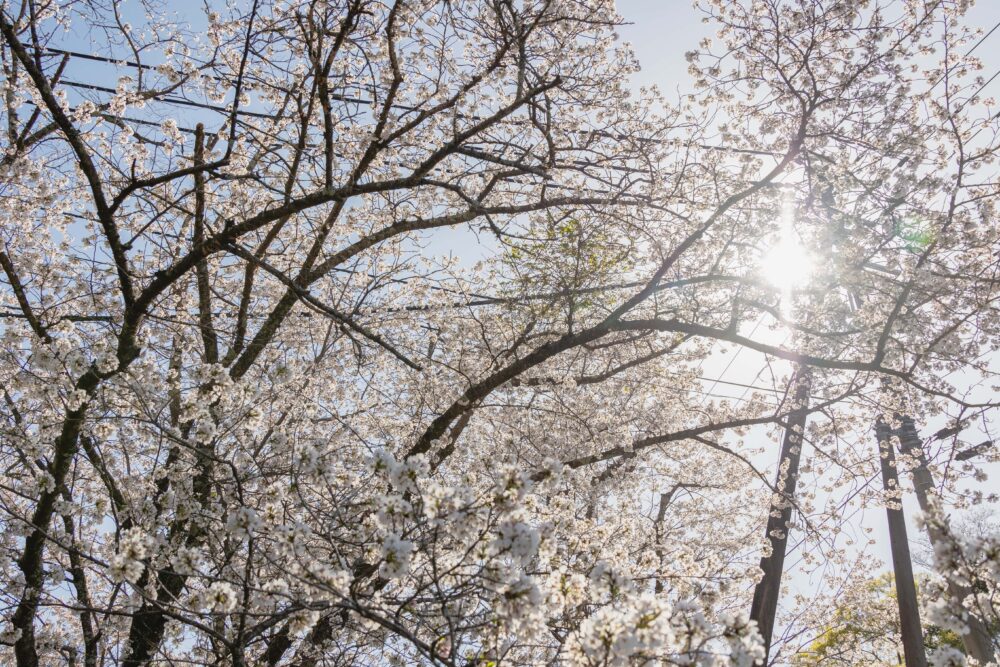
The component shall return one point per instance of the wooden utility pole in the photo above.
(902, 566)
(765, 595)
(977, 640)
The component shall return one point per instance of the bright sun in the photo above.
(787, 265)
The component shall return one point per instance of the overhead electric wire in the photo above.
(168, 100)
(350, 99)
(982, 39)
(732, 359)
(360, 100)
(967, 54)
(363, 101)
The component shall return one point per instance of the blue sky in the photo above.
(661, 31)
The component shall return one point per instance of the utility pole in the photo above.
(906, 590)
(765, 595)
(977, 640)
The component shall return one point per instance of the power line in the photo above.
(370, 102)
(967, 54)
(732, 359)
(982, 39)
(349, 99)
(135, 65)
(169, 100)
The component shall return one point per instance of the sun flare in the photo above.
(787, 265)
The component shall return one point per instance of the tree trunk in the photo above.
(906, 590)
(977, 640)
(765, 595)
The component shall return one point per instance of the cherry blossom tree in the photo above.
(969, 560)
(864, 629)
(255, 410)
